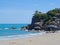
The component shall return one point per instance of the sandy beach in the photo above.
(45, 39)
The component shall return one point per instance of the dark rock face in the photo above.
(34, 20)
(54, 24)
(36, 24)
(43, 20)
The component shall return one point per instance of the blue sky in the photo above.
(21, 11)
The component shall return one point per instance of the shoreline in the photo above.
(46, 39)
(13, 37)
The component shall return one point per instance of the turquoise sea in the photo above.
(7, 33)
(11, 25)
(5, 29)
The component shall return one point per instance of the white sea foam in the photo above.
(20, 36)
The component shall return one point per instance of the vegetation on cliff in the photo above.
(40, 20)
(43, 18)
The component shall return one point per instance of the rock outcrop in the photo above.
(43, 20)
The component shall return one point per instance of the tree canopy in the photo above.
(54, 12)
(47, 17)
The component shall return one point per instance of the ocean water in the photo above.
(5, 29)
(14, 34)
(12, 25)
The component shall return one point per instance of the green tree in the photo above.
(53, 12)
(36, 17)
(37, 14)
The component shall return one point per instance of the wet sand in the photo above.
(45, 39)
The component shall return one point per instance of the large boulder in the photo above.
(35, 26)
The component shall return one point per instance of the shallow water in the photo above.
(21, 36)
(12, 32)
(15, 34)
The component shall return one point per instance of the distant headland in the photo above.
(49, 21)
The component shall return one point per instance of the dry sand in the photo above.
(46, 39)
